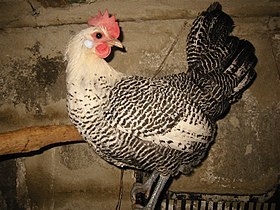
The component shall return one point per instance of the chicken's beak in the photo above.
(115, 42)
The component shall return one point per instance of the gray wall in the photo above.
(245, 156)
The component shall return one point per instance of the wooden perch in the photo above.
(34, 138)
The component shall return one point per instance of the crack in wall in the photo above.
(170, 50)
(275, 59)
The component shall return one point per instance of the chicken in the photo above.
(159, 125)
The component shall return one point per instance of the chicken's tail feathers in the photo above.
(224, 87)
(218, 59)
(241, 69)
(209, 45)
(220, 64)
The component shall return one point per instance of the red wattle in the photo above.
(103, 50)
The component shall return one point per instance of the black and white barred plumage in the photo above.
(161, 124)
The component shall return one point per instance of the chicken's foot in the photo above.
(155, 195)
(143, 188)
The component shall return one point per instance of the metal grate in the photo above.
(269, 200)
(185, 201)
(210, 205)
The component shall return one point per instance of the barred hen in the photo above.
(159, 125)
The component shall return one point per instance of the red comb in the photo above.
(107, 22)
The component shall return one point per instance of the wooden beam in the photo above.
(34, 138)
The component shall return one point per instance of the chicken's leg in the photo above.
(143, 188)
(154, 198)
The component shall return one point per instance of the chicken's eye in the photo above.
(98, 35)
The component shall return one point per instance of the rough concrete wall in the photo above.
(243, 159)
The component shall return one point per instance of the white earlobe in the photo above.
(88, 43)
